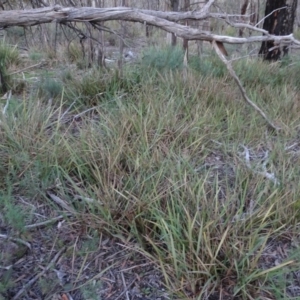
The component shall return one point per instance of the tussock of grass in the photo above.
(50, 88)
(162, 160)
(8, 56)
(167, 58)
(98, 87)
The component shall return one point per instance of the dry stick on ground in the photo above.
(126, 288)
(8, 96)
(242, 89)
(30, 67)
(61, 203)
(17, 240)
(47, 222)
(37, 276)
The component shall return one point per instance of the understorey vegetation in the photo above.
(166, 158)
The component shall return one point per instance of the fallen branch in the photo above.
(27, 68)
(45, 14)
(163, 20)
(61, 203)
(47, 222)
(7, 96)
(242, 89)
(17, 240)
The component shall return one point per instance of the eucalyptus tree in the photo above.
(279, 20)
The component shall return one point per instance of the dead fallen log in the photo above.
(163, 20)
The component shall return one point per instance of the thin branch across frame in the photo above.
(242, 89)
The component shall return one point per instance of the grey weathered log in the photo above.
(102, 14)
(163, 20)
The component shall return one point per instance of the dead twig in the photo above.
(27, 68)
(126, 288)
(86, 111)
(242, 89)
(47, 222)
(17, 240)
(61, 203)
(7, 97)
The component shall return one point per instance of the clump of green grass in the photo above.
(29, 152)
(74, 52)
(90, 290)
(165, 167)
(168, 58)
(142, 168)
(36, 55)
(98, 86)
(51, 88)
(8, 56)
(255, 72)
(6, 283)
(14, 215)
(210, 66)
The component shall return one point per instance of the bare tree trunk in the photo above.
(151, 5)
(3, 76)
(147, 27)
(121, 47)
(280, 16)
(254, 12)
(243, 12)
(187, 23)
(249, 15)
(251, 8)
(174, 7)
(298, 16)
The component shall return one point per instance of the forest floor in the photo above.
(160, 183)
